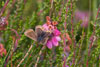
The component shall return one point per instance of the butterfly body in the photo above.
(41, 36)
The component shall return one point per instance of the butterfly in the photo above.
(40, 34)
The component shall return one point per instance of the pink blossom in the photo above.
(58, 38)
(48, 27)
(55, 36)
(67, 66)
(45, 26)
(3, 23)
(55, 33)
(83, 16)
(49, 44)
(54, 40)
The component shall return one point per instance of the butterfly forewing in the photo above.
(45, 37)
(31, 34)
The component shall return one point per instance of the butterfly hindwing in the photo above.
(42, 35)
(47, 34)
(31, 34)
(44, 41)
(39, 30)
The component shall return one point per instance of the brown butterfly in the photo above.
(39, 35)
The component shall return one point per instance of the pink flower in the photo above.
(55, 35)
(83, 16)
(48, 27)
(67, 66)
(45, 26)
(49, 44)
(54, 40)
(56, 32)
(3, 23)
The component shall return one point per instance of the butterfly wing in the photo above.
(43, 34)
(45, 38)
(47, 34)
(31, 34)
(44, 41)
(39, 30)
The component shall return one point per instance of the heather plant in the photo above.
(49, 33)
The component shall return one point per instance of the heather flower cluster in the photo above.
(83, 16)
(55, 36)
(3, 23)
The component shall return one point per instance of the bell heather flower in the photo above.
(3, 23)
(84, 16)
(54, 39)
(67, 66)
(48, 27)
(55, 36)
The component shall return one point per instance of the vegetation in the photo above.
(78, 24)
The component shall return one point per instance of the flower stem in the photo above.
(92, 36)
(25, 56)
(4, 7)
(51, 8)
(39, 56)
